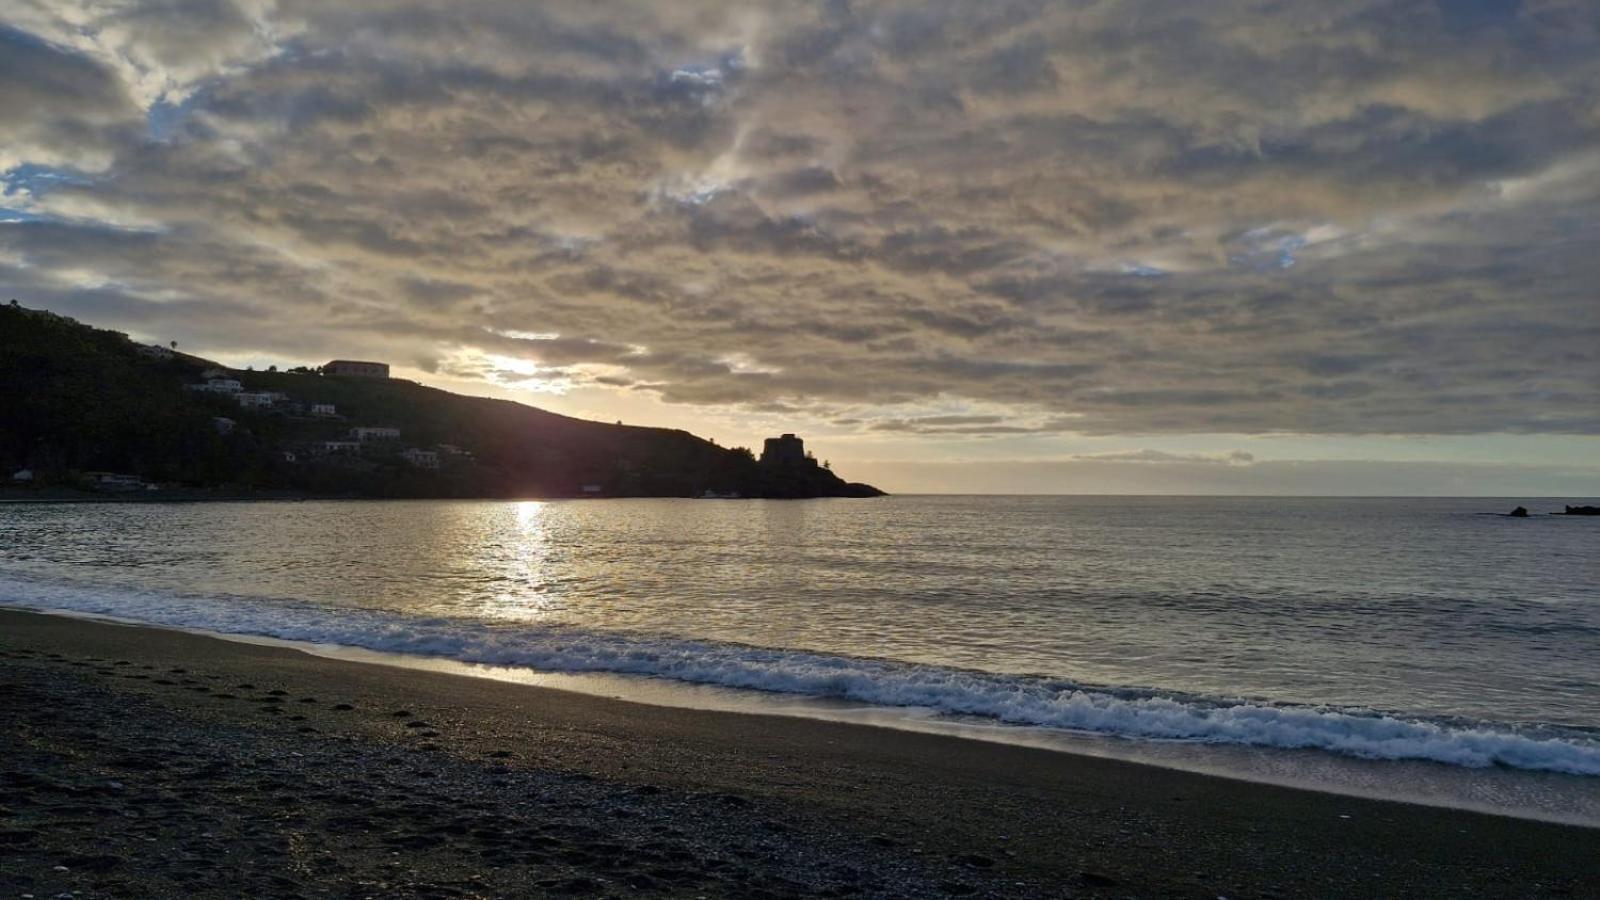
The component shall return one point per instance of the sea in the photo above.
(1429, 650)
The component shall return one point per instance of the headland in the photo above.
(91, 414)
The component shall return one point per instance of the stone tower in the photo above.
(785, 451)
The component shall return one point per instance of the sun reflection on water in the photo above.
(517, 555)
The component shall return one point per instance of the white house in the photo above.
(154, 351)
(23, 475)
(254, 401)
(217, 386)
(341, 447)
(422, 459)
(371, 433)
(324, 410)
(113, 481)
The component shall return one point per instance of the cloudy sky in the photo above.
(1015, 245)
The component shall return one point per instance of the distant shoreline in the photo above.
(31, 497)
(10, 495)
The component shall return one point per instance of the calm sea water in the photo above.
(1405, 629)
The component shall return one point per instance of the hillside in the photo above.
(78, 401)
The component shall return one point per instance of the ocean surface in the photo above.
(1413, 631)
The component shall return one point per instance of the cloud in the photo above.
(1107, 219)
(1308, 477)
(1231, 458)
(61, 109)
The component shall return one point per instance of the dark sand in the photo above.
(138, 762)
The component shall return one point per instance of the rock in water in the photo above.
(1518, 513)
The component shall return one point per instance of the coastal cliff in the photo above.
(87, 409)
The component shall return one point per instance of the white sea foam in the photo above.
(1018, 700)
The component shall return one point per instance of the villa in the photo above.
(422, 459)
(371, 433)
(255, 401)
(217, 385)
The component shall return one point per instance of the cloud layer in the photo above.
(907, 218)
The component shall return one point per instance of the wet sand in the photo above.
(139, 762)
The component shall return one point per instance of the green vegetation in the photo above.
(76, 399)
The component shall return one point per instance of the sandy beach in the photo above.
(148, 763)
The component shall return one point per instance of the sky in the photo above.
(1009, 246)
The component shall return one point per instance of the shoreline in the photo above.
(982, 817)
(13, 495)
(1516, 793)
(79, 497)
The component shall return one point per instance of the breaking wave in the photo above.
(1010, 699)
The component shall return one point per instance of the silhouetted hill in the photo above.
(77, 400)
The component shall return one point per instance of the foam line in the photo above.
(1012, 699)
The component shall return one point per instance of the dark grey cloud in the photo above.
(60, 108)
(1235, 216)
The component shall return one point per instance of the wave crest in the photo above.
(1011, 699)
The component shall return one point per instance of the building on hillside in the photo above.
(370, 433)
(154, 351)
(114, 481)
(217, 386)
(353, 368)
(288, 456)
(593, 489)
(215, 372)
(324, 410)
(422, 459)
(786, 450)
(222, 425)
(341, 446)
(255, 401)
(22, 476)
